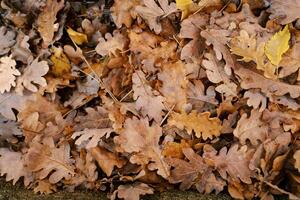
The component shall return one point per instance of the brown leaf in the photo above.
(107, 160)
(132, 192)
(46, 20)
(203, 126)
(284, 11)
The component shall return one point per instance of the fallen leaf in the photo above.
(7, 39)
(152, 11)
(278, 45)
(184, 5)
(132, 192)
(8, 72)
(203, 126)
(107, 160)
(46, 20)
(78, 38)
(284, 11)
(61, 63)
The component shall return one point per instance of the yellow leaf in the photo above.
(184, 6)
(78, 38)
(278, 45)
(200, 123)
(61, 63)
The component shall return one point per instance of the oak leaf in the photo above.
(252, 128)
(123, 12)
(132, 192)
(44, 187)
(48, 160)
(253, 80)
(203, 126)
(149, 101)
(12, 164)
(234, 162)
(142, 141)
(8, 129)
(110, 44)
(152, 11)
(184, 5)
(7, 39)
(195, 172)
(32, 74)
(174, 149)
(89, 138)
(296, 156)
(106, 159)
(46, 20)
(284, 11)
(8, 72)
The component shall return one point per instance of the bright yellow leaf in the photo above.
(78, 38)
(184, 6)
(278, 45)
(61, 63)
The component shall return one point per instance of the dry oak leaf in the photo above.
(256, 100)
(47, 160)
(11, 101)
(44, 187)
(46, 20)
(174, 149)
(132, 192)
(297, 159)
(8, 129)
(32, 76)
(152, 11)
(195, 172)
(89, 138)
(290, 62)
(277, 45)
(185, 172)
(234, 162)
(8, 72)
(246, 46)
(123, 12)
(106, 159)
(7, 40)
(252, 128)
(110, 44)
(253, 80)
(284, 11)
(148, 101)
(12, 164)
(96, 118)
(216, 74)
(203, 126)
(174, 87)
(142, 141)
(21, 50)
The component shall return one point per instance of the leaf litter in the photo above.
(135, 97)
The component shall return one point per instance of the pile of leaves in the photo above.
(132, 97)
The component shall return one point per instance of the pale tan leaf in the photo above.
(32, 76)
(12, 164)
(152, 11)
(47, 160)
(148, 101)
(111, 44)
(132, 192)
(8, 72)
(123, 12)
(285, 11)
(89, 138)
(297, 158)
(7, 39)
